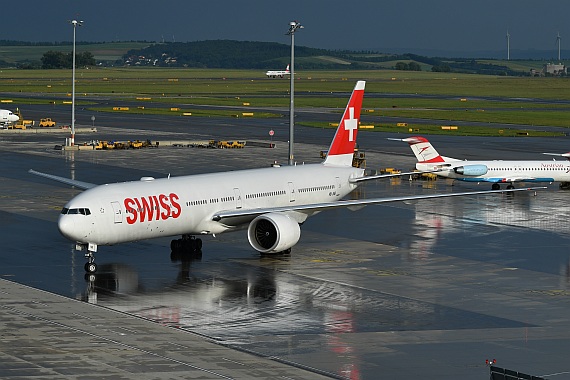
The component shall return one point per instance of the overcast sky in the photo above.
(453, 25)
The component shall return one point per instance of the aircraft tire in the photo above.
(496, 186)
(90, 268)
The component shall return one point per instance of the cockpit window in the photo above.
(70, 211)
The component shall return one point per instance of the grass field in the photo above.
(465, 93)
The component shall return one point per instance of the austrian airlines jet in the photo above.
(270, 202)
(496, 172)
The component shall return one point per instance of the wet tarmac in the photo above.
(427, 289)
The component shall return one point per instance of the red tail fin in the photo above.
(341, 150)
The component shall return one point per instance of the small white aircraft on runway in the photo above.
(8, 117)
(278, 73)
(496, 172)
(270, 202)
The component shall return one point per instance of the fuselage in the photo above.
(502, 171)
(277, 73)
(151, 208)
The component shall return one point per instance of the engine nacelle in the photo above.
(273, 232)
(471, 170)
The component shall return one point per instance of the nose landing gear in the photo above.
(90, 266)
(186, 247)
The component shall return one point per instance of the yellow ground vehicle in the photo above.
(135, 144)
(47, 122)
(22, 123)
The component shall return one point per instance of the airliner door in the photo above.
(237, 195)
(118, 213)
(291, 192)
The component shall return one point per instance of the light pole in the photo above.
(293, 26)
(75, 24)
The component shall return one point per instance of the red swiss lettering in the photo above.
(152, 207)
(131, 212)
(177, 209)
(163, 199)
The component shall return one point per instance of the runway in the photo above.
(429, 289)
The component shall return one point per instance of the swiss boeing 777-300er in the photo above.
(270, 202)
(496, 172)
(278, 73)
(8, 117)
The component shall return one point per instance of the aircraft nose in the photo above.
(65, 225)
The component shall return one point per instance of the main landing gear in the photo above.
(496, 186)
(188, 247)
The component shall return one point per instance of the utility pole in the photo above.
(293, 26)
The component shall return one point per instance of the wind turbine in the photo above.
(508, 46)
(558, 38)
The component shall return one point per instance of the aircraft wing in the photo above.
(520, 179)
(567, 155)
(380, 176)
(506, 179)
(79, 184)
(239, 216)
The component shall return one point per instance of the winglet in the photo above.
(341, 150)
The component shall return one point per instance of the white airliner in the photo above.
(270, 202)
(496, 172)
(278, 73)
(8, 117)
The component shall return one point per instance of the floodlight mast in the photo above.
(293, 26)
(75, 24)
(508, 46)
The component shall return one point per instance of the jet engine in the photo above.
(471, 170)
(273, 232)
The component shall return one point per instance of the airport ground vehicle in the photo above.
(46, 122)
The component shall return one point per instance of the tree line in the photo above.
(58, 60)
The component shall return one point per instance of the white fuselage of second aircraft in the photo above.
(502, 171)
(152, 208)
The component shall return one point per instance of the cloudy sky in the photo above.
(441, 25)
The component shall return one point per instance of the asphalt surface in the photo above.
(427, 289)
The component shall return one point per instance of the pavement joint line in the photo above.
(13, 309)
